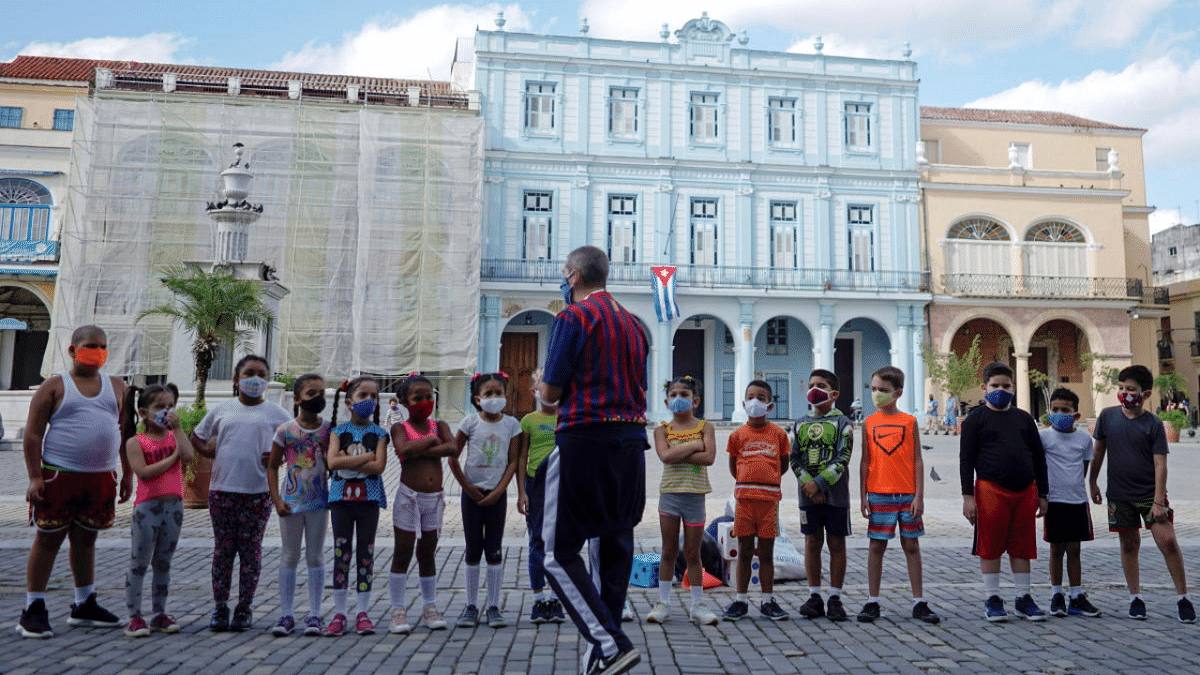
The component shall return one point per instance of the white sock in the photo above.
(1182, 597)
(743, 597)
(316, 589)
(364, 602)
(339, 601)
(1135, 596)
(814, 591)
(1021, 583)
(33, 596)
(429, 590)
(835, 592)
(472, 577)
(539, 596)
(82, 593)
(768, 598)
(397, 585)
(495, 574)
(287, 591)
(915, 601)
(873, 598)
(1055, 590)
(1076, 591)
(664, 591)
(991, 583)
(697, 593)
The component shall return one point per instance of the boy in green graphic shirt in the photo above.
(537, 442)
(821, 450)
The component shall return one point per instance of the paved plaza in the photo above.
(962, 643)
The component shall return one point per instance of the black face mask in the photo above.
(313, 405)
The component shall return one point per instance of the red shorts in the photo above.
(756, 518)
(86, 499)
(1006, 521)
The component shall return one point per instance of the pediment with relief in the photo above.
(704, 29)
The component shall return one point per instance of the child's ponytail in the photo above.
(337, 397)
(129, 418)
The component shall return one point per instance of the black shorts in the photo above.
(834, 520)
(1067, 523)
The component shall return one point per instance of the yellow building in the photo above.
(1037, 239)
(1179, 343)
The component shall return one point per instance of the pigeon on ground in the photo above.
(934, 475)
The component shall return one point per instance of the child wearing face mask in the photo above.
(237, 434)
(491, 439)
(687, 447)
(356, 459)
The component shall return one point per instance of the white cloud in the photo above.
(149, 48)
(952, 29)
(418, 46)
(1165, 218)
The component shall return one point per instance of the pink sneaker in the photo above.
(164, 623)
(400, 625)
(337, 626)
(363, 625)
(432, 618)
(137, 627)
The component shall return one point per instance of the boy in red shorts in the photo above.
(73, 479)
(758, 456)
(1002, 467)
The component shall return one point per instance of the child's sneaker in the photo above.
(554, 610)
(495, 618)
(432, 618)
(285, 626)
(995, 609)
(35, 621)
(243, 619)
(1026, 608)
(1187, 613)
(659, 614)
(835, 610)
(400, 624)
(540, 613)
(363, 625)
(773, 611)
(1080, 606)
(702, 615)
(336, 627)
(1137, 609)
(921, 611)
(313, 626)
(1058, 604)
(164, 623)
(626, 612)
(219, 622)
(469, 617)
(813, 608)
(137, 627)
(89, 614)
(736, 610)
(869, 613)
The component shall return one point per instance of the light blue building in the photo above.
(782, 186)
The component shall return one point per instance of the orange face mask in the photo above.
(94, 357)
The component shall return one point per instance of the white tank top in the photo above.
(84, 433)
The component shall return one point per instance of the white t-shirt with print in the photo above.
(243, 433)
(487, 449)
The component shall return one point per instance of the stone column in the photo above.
(663, 362)
(916, 379)
(901, 351)
(1024, 396)
(743, 347)
(489, 334)
(823, 358)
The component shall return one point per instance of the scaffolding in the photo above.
(371, 218)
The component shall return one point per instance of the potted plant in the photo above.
(197, 472)
(1173, 422)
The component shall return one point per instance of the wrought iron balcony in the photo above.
(1007, 286)
(704, 276)
(24, 233)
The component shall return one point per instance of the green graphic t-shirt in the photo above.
(540, 428)
(821, 452)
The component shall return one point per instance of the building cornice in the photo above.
(1025, 190)
(1139, 209)
(1036, 303)
(1017, 126)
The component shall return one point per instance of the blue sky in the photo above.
(1127, 62)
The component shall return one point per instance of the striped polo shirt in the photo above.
(597, 356)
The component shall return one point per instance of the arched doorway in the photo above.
(861, 347)
(783, 357)
(1054, 362)
(995, 345)
(522, 352)
(24, 333)
(702, 347)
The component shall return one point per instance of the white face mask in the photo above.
(755, 407)
(493, 405)
(253, 387)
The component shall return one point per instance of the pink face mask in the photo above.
(817, 396)
(1129, 399)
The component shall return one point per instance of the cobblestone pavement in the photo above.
(962, 643)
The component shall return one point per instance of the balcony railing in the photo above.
(992, 285)
(703, 276)
(24, 233)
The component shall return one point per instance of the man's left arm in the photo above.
(562, 355)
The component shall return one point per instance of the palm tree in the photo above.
(216, 308)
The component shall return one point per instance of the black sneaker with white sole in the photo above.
(89, 614)
(621, 662)
(35, 621)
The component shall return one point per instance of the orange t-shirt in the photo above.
(892, 439)
(757, 452)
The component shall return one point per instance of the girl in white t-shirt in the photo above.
(490, 438)
(237, 435)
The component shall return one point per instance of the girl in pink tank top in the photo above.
(156, 456)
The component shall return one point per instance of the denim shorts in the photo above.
(686, 505)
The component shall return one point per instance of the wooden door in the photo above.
(519, 358)
(687, 359)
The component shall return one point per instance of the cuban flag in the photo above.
(663, 284)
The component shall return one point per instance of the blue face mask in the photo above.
(680, 404)
(364, 408)
(1062, 421)
(565, 287)
(999, 398)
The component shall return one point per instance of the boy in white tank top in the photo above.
(72, 478)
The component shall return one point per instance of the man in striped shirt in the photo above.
(593, 484)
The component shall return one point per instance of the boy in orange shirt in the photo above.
(758, 456)
(893, 490)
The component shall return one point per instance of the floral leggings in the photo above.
(238, 521)
(350, 518)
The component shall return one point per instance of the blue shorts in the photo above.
(889, 509)
(687, 506)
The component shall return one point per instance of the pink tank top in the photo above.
(411, 434)
(167, 483)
